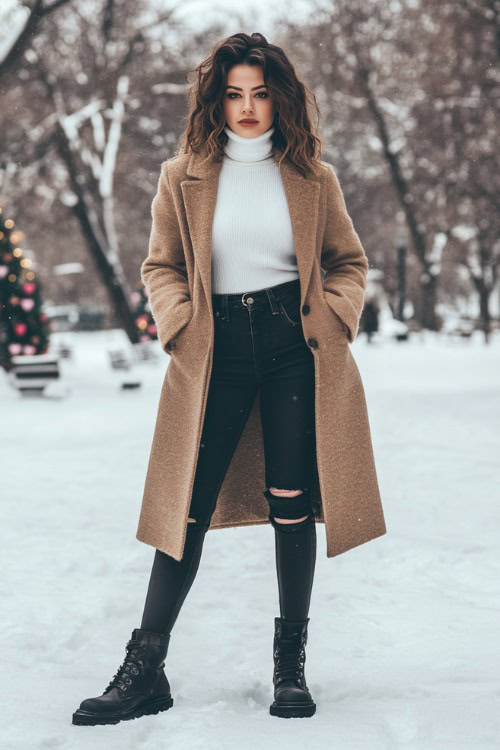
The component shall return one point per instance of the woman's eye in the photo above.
(263, 93)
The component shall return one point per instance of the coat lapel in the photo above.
(200, 195)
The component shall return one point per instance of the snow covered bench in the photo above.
(30, 373)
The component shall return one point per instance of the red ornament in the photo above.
(29, 287)
(20, 329)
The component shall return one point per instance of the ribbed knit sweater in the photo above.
(252, 240)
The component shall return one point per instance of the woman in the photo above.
(261, 390)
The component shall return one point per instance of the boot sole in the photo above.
(87, 718)
(292, 710)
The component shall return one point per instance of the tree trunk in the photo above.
(426, 311)
(108, 264)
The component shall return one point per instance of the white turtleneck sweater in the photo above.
(252, 240)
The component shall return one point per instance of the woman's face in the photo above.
(247, 97)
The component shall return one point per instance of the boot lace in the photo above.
(289, 664)
(122, 678)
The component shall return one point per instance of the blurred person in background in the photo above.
(369, 318)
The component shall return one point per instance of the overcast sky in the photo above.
(263, 11)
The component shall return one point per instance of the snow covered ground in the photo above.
(402, 649)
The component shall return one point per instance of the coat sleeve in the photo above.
(163, 272)
(343, 259)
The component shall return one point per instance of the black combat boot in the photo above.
(291, 695)
(139, 687)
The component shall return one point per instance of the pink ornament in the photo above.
(15, 348)
(152, 329)
(29, 287)
(4, 270)
(29, 349)
(20, 329)
(27, 303)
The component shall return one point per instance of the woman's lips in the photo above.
(247, 124)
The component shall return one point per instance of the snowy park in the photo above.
(154, 154)
(401, 650)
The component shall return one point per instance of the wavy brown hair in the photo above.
(293, 134)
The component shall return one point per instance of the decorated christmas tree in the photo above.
(24, 328)
(143, 316)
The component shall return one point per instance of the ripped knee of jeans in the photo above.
(289, 507)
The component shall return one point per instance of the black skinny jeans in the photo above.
(259, 351)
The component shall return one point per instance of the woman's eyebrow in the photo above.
(262, 86)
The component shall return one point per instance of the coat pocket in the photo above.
(338, 322)
(174, 338)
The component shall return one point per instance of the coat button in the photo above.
(312, 343)
(171, 345)
(306, 309)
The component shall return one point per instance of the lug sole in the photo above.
(87, 718)
(292, 710)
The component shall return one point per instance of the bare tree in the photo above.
(415, 84)
(87, 137)
(37, 11)
(464, 90)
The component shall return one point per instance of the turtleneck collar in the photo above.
(248, 150)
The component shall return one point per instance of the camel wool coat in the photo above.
(332, 267)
